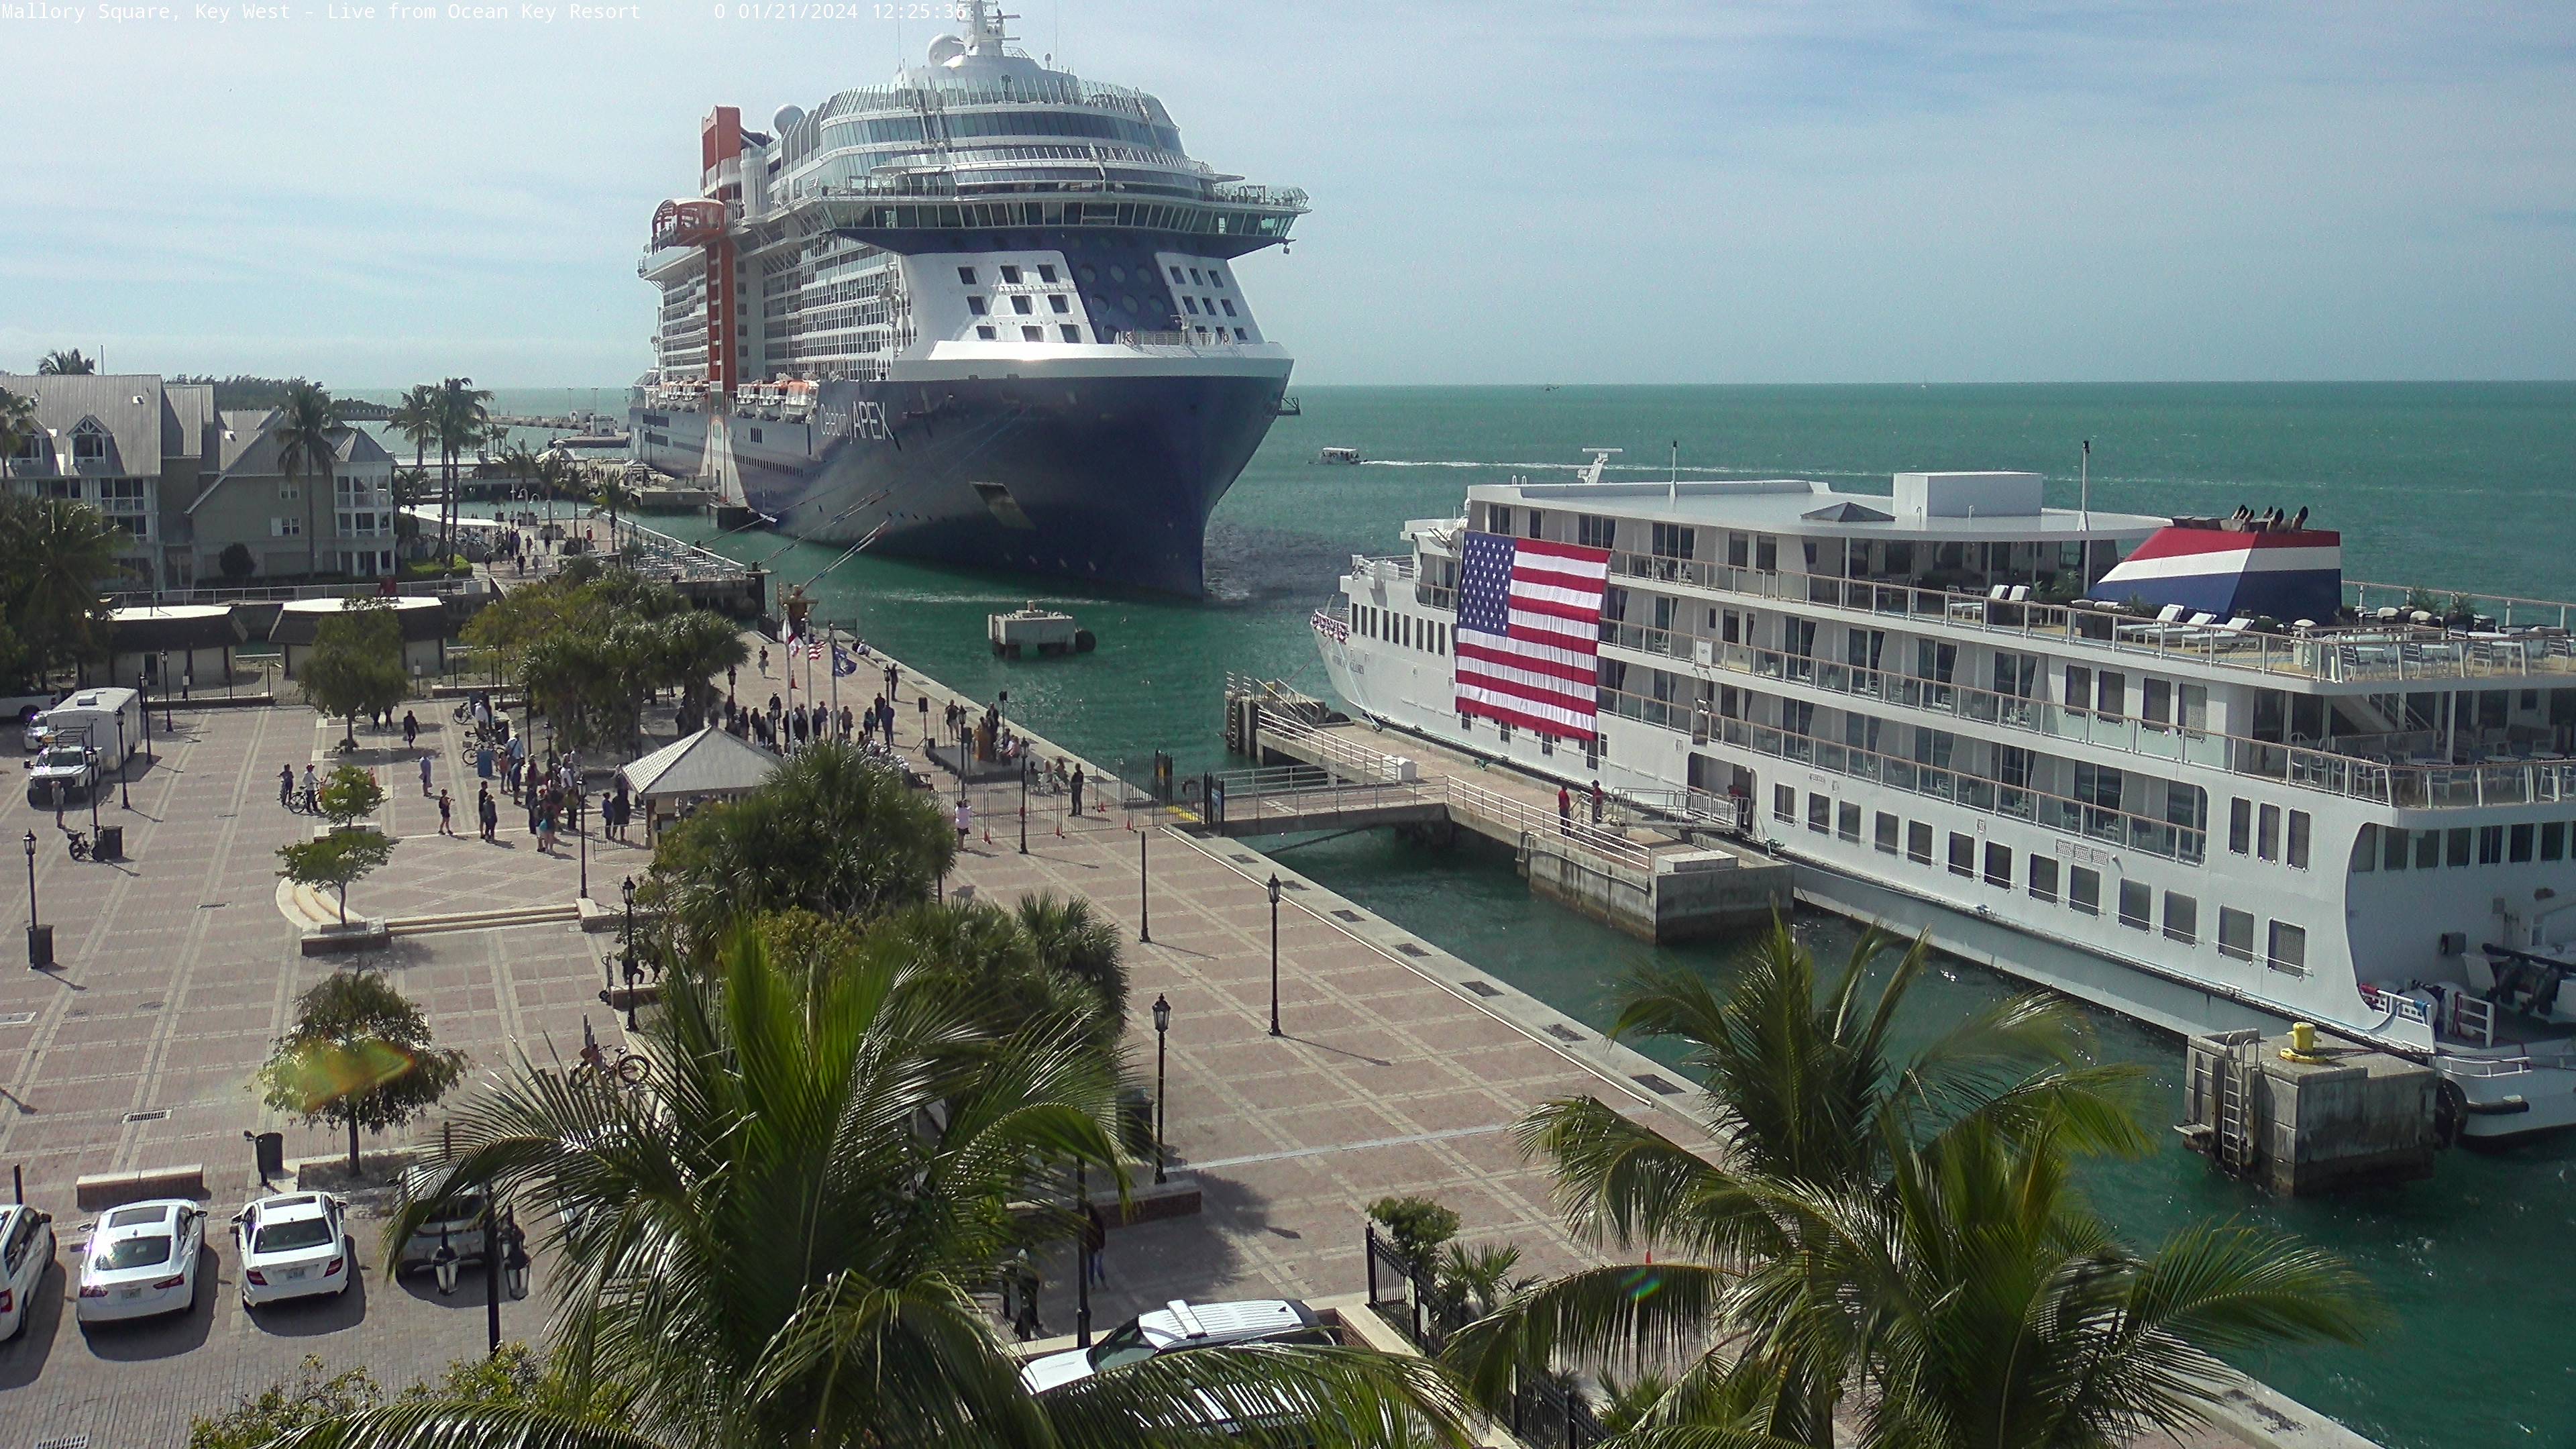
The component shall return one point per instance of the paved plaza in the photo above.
(1398, 1070)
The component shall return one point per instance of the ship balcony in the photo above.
(2399, 770)
(2358, 649)
(2114, 828)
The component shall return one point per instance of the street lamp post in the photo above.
(124, 801)
(581, 815)
(1144, 890)
(39, 948)
(1162, 1025)
(1082, 1260)
(491, 1273)
(1024, 805)
(629, 890)
(1274, 953)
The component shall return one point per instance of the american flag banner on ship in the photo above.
(1528, 645)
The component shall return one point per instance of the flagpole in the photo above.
(835, 632)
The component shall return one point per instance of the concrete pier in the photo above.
(2299, 1123)
(1647, 878)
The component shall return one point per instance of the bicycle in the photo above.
(78, 842)
(626, 1069)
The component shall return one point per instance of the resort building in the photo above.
(189, 485)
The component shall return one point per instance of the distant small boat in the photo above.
(1344, 456)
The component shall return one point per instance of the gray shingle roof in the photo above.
(709, 762)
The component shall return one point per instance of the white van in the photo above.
(91, 717)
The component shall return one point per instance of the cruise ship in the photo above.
(986, 314)
(2180, 767)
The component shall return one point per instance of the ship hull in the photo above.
(1105, 478)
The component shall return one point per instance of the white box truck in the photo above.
(88, 738)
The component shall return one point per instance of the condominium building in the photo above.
(187, 482)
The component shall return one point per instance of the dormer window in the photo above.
(89, 442)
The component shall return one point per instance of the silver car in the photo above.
(457, 1222)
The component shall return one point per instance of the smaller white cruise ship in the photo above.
(2178, 767)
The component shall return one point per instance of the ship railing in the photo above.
(2507, 611)
(2169, 722)
(2115, 828)
(2353, 653)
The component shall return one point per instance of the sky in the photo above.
(1766, 191)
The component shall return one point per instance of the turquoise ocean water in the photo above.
(2459, 486)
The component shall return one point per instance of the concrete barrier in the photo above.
(101, 1190)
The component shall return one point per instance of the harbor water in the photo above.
(2453, 486)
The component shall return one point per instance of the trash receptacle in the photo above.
(40, 947)
(111, 842)
(1136, 1117)
(270, 1149)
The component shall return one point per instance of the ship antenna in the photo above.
(1673, 485)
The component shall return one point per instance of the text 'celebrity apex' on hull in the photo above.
(986, 314)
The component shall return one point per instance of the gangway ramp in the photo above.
(1296, 799)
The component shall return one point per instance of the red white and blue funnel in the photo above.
(2279, 573)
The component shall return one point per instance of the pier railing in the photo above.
(1506, 814)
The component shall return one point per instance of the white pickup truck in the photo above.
(61, 774)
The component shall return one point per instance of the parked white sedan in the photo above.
(294, 1245)
(142, 1260)
(26, 1253)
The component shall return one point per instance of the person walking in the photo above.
(486, 813)
(764, 663)
(1596, 802)
(286, 787)
(965, 821)
(1095, 1243)
(1564, 811)
(446, 814)
(424, 776)
(1026, 1285)
(411, 730)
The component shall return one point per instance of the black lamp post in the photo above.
(1162, 1025)
(580, 812)
(629, 889)
(1274, 953)
(1082, 1259)
(124, 801)
(1144, 890)
(1024, 805)
(40, 945)
(491, 1273)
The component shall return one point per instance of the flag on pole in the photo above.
(814, 649)
(843, 662)
(1528, 644)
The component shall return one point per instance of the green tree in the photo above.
(360, 1055)
(1075, 941)
(462, 417)
(356, 664)
(312, 1397)
(235, 561)
(336, 861)
(18, 426)
(307, 430)
(777, 1237)
(54, 554)
(1416, 1229)
(1801, 1083)
(1988, 1308)
(59, 363)
(829, 832)
(350, 795)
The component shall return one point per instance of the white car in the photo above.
(294, 1245)
(142, 1260)
(26, 1251)
(1178, 1326)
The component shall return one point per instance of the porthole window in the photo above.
(1128, 301)
(1118, 273)
(1090, 273)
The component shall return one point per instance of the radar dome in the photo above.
(786, 119)
(945, 49)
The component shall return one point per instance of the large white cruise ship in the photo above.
(2180, 767)
(987, 313)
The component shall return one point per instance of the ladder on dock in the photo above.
(2233, 1083)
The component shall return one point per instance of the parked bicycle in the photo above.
(623, 1069)
(79, 844)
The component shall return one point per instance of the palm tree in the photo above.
(53, 555)
(307, 429)
(1074, 940)
(65, 364)
(1804, 1089)
(463, 420)
(17, 425)
(777, 1238)
(1985, 1307)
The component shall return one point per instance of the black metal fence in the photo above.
(1547, 1410)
